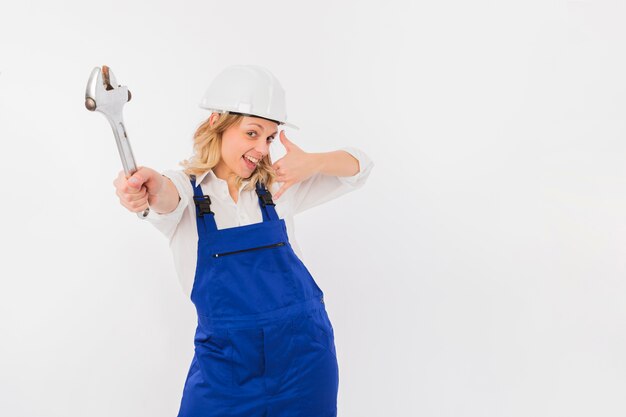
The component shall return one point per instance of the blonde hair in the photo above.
(207, 146)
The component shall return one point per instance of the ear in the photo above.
(213, 118)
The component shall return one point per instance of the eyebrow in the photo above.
(252, 123)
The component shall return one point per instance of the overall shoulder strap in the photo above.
(205, 218)
(266, 203)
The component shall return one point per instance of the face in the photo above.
(244, 145)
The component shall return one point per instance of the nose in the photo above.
(262, 147)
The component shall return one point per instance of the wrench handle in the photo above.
(144, 213)
(126, 154)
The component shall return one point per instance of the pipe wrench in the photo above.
(105, 95)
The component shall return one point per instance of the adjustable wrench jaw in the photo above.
(104, 95)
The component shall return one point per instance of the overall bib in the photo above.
(264, 345)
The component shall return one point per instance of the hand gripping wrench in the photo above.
(105, 95)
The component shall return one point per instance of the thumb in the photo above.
(146, 177)
(283, 139)
(289, 145)
(136, 180)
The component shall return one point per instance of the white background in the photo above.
(479, 272)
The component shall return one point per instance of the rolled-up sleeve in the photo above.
(166, 223)
(365, 167)
(321, 188)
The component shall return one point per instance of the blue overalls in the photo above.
(264, 345)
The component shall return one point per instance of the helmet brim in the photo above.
(286, 124)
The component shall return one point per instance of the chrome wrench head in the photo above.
(105, 95)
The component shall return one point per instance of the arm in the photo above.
(169, 207)
(148, 187)
(338, 163)
(166, 199)
(298, 166)
(323, 186)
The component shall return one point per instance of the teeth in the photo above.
(251, 159)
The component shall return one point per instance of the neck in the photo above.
(222, 171)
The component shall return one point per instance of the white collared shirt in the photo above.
(179, 226)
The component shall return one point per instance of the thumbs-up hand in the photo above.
(296, 166)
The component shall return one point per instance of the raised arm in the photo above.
(338, 163)
(329, 180)
(297, 165)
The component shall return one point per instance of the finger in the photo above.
(137, 205)
(280, 176)
(126, 198)
(119, 179)
(128, 190)
(281, 190)
(143, 208)
(140, 205)
(142, 193)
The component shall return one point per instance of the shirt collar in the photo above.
(200, 178)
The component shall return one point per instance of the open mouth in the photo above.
(250, 162)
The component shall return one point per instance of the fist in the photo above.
(138, 191)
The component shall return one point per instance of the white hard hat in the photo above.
(250, 90)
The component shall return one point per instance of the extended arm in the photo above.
(339, 163)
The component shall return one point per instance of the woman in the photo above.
(264, 345)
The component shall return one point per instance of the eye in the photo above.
(270, 139)
(252, 131)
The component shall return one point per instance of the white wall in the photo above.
(480, 272)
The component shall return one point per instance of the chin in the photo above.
(243, 174)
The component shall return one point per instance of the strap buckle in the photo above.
(266, 198)
(203, 205)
